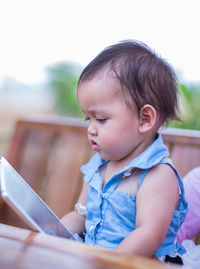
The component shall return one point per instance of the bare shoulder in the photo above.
(162, 180)
(162, 174)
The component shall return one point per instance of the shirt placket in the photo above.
(103, 202)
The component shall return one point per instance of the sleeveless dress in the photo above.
(111, 214)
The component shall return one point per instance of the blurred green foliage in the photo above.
(63, 80)
(189, 108)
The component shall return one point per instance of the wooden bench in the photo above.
(21, 248)
(184, 148)
(48, 153)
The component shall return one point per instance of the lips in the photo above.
(94, 145)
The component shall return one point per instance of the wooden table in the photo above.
(20, 248)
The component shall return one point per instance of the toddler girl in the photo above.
(133, 194)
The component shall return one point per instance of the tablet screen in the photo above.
(27, 204)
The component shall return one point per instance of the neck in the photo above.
(116, 165)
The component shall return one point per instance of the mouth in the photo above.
(94, 145)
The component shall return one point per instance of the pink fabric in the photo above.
(191, 225)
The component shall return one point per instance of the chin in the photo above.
(104, 156)
(107, 157)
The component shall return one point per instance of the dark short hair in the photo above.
(145, 76)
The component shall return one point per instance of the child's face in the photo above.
(113, 129)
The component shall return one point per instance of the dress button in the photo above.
(91, 228)
(127, 173)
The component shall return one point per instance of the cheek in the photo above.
(121, 137)
(110, 140)
(106, 137)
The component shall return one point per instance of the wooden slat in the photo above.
(184, 147)
(35, 152)
(65, 179)
(45, 251)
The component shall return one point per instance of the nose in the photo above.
(92, 130)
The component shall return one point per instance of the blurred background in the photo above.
(46, 43)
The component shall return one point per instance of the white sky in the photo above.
(36, 33)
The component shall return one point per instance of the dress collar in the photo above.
(150, 157)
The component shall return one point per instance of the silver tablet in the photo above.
(28, 205)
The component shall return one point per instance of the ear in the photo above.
(147, 118)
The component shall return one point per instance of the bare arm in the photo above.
(156, 200)
(74, 221)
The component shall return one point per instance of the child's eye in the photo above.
(87, 119)
(101, 120)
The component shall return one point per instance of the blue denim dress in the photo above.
(111, 214)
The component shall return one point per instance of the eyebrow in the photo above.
(94, 111)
